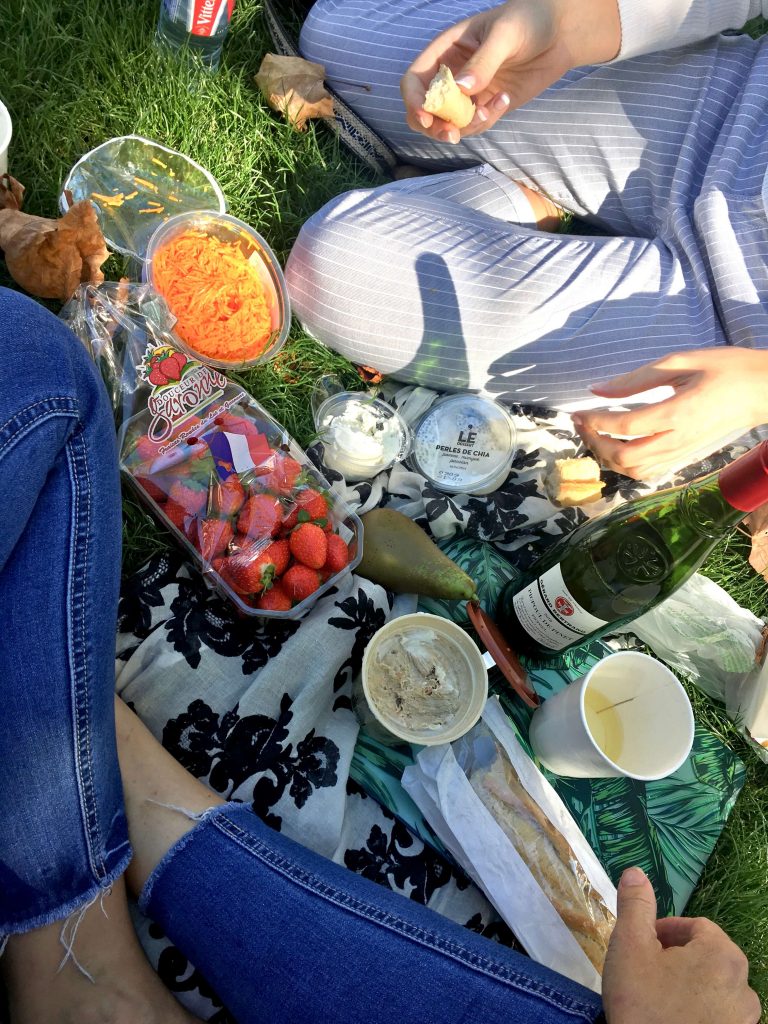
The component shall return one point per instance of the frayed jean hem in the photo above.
(61, 913)
(145, 896)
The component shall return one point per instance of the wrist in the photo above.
(590, 30)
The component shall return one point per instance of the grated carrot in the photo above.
(216, 294)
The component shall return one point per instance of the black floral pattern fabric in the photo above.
(261, 711)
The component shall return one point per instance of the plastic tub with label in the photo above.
(464, 444)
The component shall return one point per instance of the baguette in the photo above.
(444, 99)
(574, 482)
(548, 857)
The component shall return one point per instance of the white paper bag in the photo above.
(440, 785)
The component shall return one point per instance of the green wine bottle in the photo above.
(621, 564)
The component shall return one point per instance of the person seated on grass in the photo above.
(447, 280)
(91, 806)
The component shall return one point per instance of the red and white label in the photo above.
(549, 612)
(205, 16)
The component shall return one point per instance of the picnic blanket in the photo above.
(261, 712)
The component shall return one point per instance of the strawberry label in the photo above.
(180, 386)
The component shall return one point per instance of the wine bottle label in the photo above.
(548, 612)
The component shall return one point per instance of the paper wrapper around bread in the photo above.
(444, 99)
(510, 831)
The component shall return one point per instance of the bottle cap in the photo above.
(744, 484)
(506, 659)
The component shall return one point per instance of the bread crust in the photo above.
(445, 100)
(548, 857)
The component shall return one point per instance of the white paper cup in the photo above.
(460, 651)
(6, 130)
(647, 735)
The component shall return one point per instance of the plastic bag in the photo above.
(214, 467)
(506, 826)
(702, 633)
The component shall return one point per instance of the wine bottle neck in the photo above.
(705, 509)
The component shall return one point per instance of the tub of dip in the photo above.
(464, 444)
(362, 436)
(423, 681)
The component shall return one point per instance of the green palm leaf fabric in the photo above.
(669, 827)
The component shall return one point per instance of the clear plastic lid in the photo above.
(464, 444)
(362, 436)
(136, 184)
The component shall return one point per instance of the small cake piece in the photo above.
(574, 482)
(444, 99)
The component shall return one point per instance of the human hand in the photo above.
(677, 970)
(719, 392)
(505, 56)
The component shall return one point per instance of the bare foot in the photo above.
(124, 989)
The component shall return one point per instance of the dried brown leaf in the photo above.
(50, 258)
(369, 374)
(11, 193)
(757, 524)
(294, 88)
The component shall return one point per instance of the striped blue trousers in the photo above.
(431, 280)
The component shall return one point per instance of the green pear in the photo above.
(399, 555)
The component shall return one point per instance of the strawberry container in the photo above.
(235, 490)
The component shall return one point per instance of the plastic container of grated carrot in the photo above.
(223, 284)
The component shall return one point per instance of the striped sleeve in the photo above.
(650, 25)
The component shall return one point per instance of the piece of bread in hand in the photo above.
(444, 99)
(574, 482)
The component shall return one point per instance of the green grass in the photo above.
(77, 72)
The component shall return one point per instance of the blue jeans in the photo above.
(265, 920)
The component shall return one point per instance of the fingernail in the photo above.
(466, 81)
(450, 136)
(481, 114)
(633, 876)
(425, 120)
(501, 102)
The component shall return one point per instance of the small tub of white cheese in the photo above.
(423, 679)
(464, 444)
(362, 436)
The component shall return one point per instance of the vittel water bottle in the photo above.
(200, 25)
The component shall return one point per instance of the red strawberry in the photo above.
(313, 502)
(260, 516)
(227, 496)
(275, 600)
(177, 514)
(300, 581)
(309, 545)
(146, 449)
(283, 473)
(252, 569)
(280, 553)
(213, 537)
(152, 489)
(190, 494)
(338, 555)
